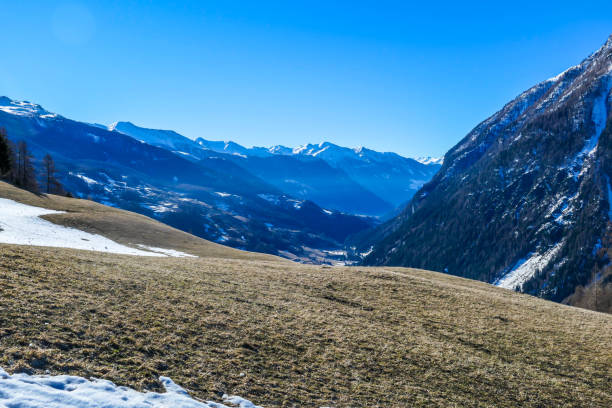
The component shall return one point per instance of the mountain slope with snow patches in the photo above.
(522, 200)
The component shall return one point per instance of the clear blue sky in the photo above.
(388, 75)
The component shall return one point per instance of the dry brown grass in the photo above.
(301, 335)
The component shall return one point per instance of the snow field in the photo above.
(64, 391)
(21, 224)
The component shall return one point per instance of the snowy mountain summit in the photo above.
(524, 200)
(24, 108)
(430, 160)
(372, 183)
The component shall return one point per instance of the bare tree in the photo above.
(52, 184)
(48, 171)
(25, 175)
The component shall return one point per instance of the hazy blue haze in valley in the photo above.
(410, 78)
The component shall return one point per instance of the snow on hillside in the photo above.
(168, 252)
(526, 268)
(21, 224)
(64, 391)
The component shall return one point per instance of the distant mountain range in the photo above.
(524, 200)
(297, 205)
(356, 181)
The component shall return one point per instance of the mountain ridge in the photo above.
(208, 195)
(522, 200)
(359, 180)
(231, 147)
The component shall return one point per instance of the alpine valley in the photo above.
(299, 203)
(143, 268)
(524, 201)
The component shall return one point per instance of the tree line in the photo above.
(17, 168)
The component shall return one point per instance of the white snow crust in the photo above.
(168, 252)
(21, 224)
(526, 268)
(64, 391)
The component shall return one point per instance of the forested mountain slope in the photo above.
(524, 200)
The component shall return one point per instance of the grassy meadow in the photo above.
(284, 334)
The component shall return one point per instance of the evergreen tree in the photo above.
(25, 177)
(7, 157)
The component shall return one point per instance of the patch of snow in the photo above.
(526, 268)
(169, 252)
(368, 252)
(65, 391)
(337, 252)
(24, 108)
(563, 209)
(315, 154)
(86, 179)
(281, 150)
(21, 224)
(161, 208)
(184, 153)
(557, 90)
(557, 77)
(239, 401)
(299, 149)
(430, 160)
(297, 204)
(577, 167)
(269, 197)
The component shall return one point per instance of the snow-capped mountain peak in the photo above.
(117, 126)
(24, 108)
(280, 150)
(430, 160)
